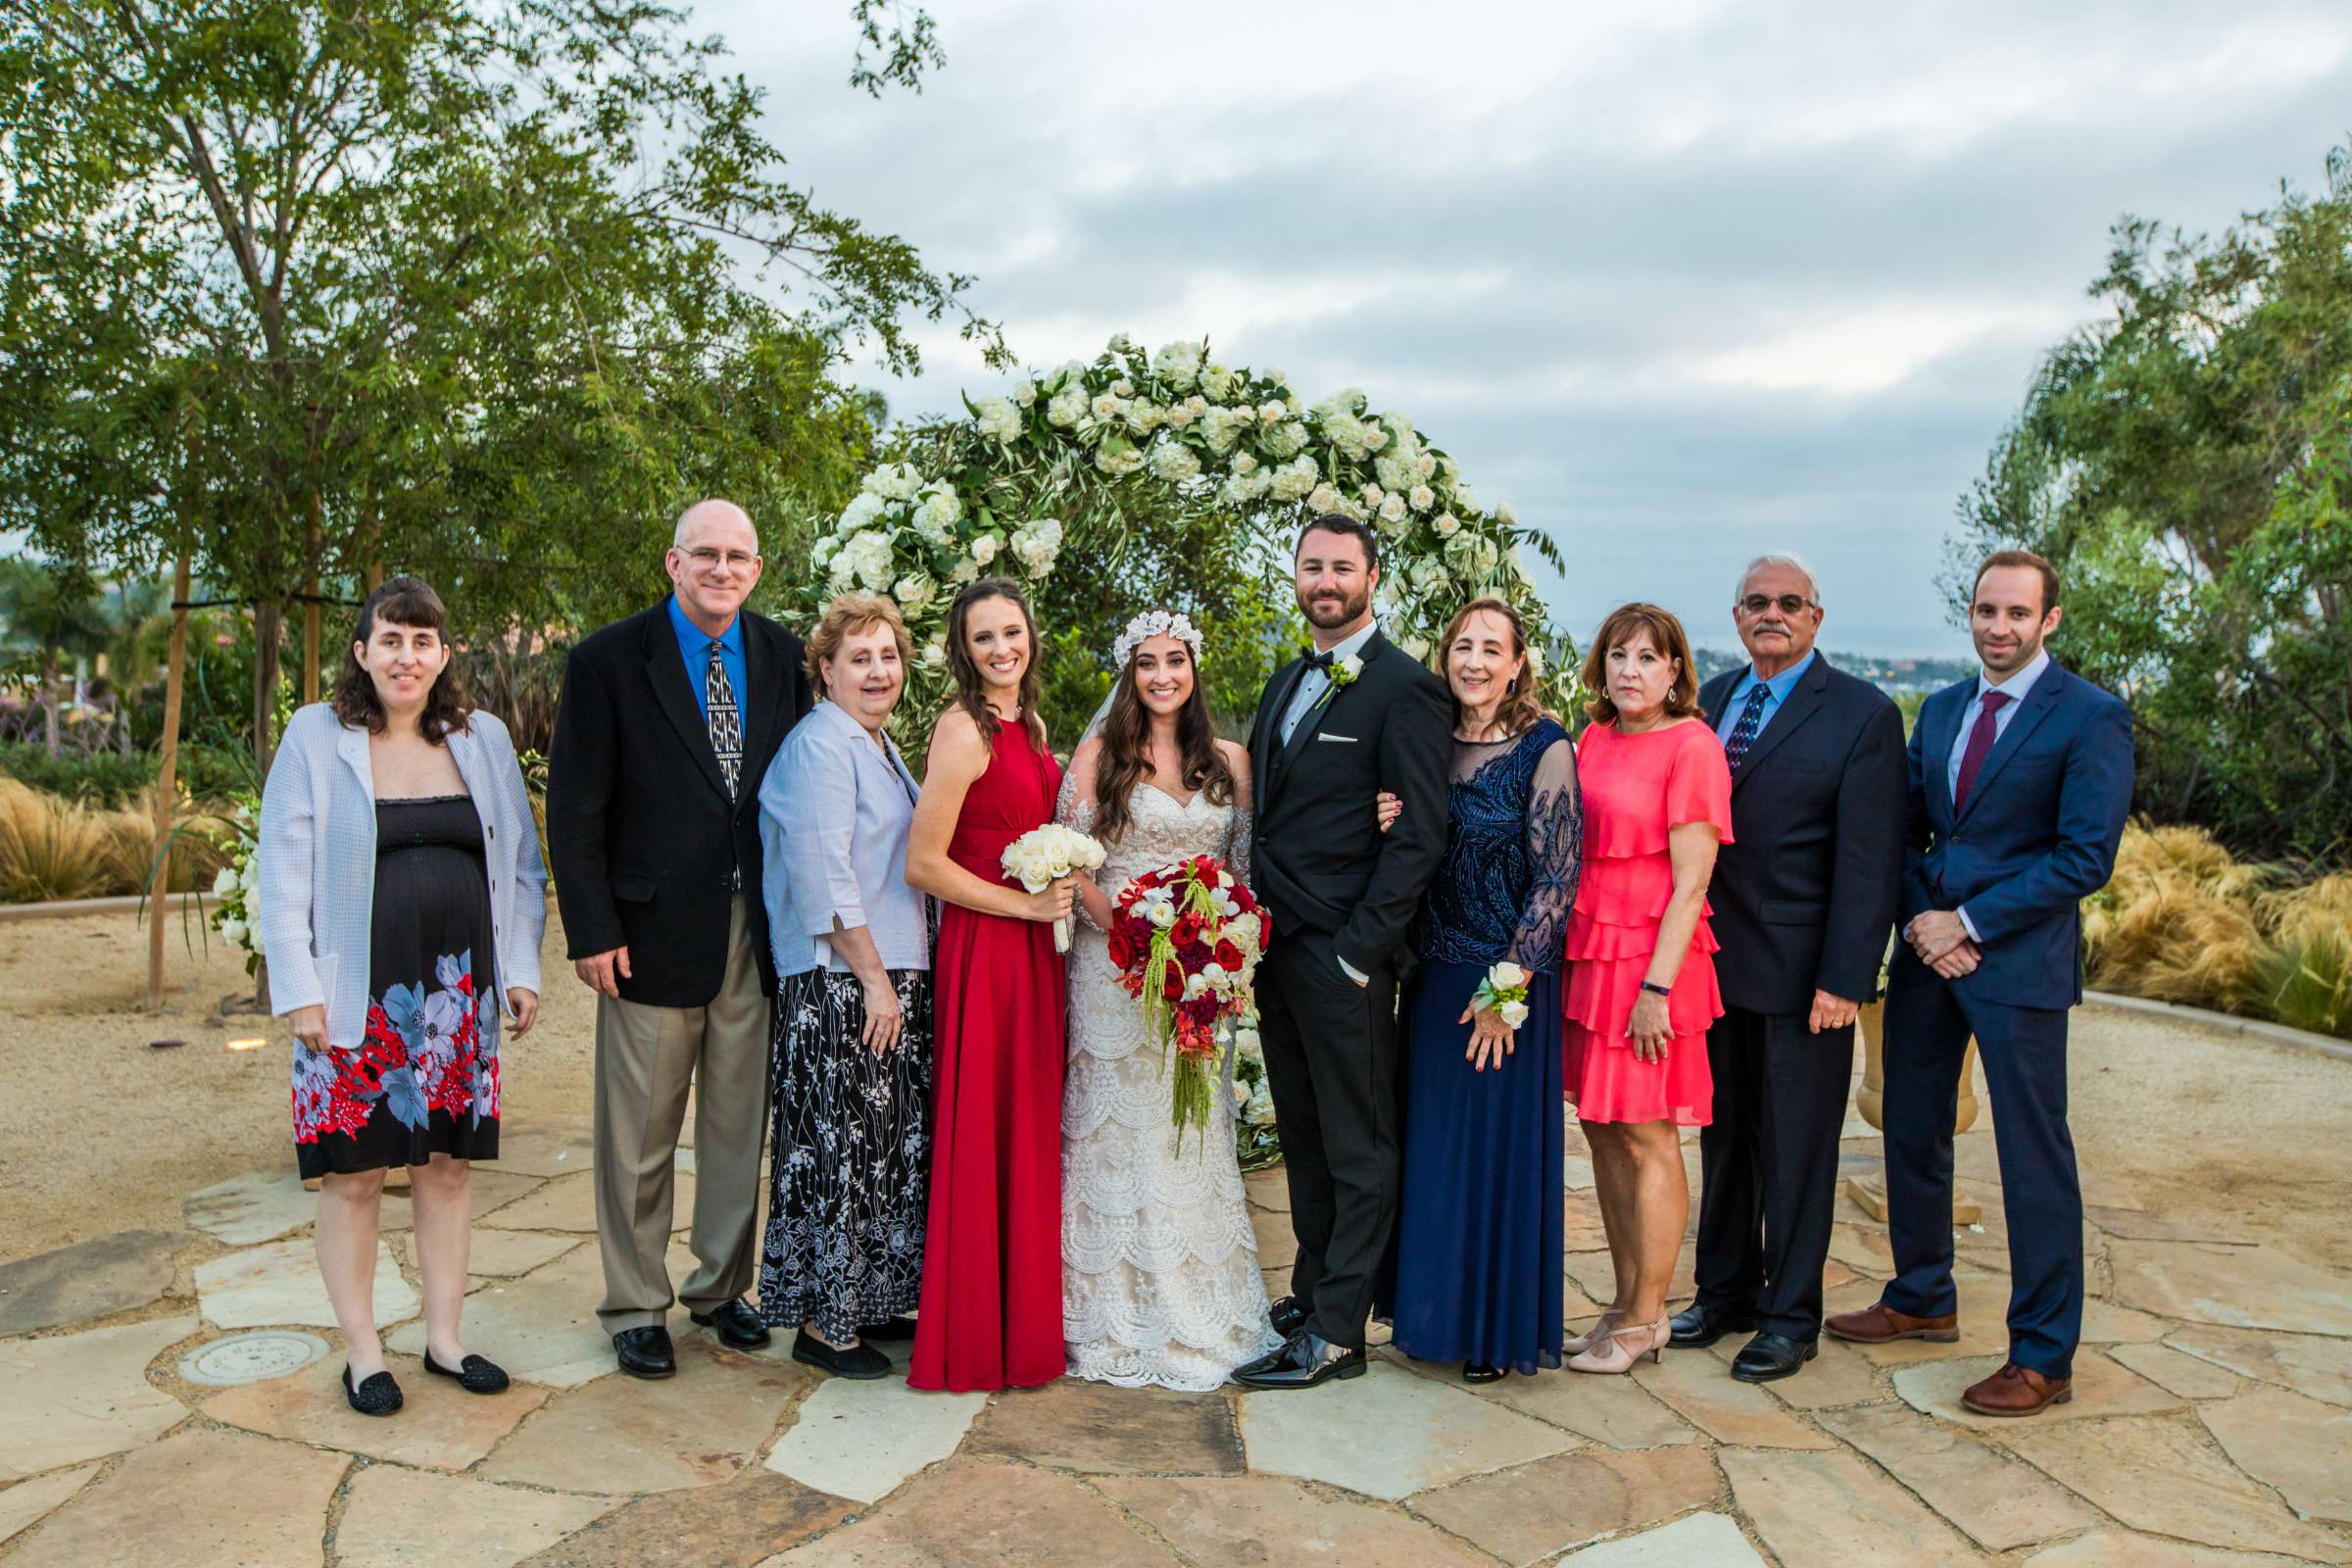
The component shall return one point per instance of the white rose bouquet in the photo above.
(1043, 857)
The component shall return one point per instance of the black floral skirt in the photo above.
(850, 1140)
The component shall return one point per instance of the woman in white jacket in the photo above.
(403, 898)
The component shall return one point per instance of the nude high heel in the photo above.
(1599, 1331)
(1612, 1355)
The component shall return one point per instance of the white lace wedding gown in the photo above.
(1159, 1263)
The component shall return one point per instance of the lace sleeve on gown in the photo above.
(1238, 845)
(1072, 813)
(1555, 821)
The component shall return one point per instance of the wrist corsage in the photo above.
(1504, 990)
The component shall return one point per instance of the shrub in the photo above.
(57, 848)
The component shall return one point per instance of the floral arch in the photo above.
(1039, 472)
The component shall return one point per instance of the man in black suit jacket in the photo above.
(1356, 716)
(1803, 900)
(667, 724)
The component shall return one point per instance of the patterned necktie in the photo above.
(727, 722)
(1980, 737)
(1752, 720)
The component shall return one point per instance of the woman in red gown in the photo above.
(1640, 988)
(991, 1314)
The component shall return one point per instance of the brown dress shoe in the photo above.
(1878, 1323)
(2016, 1391)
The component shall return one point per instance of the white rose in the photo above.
(1122, 389)
(1418, 647)
(1446, 525)
(984, 548)
(1025, 394)
(934, 655)
(1108, 406)
(1120, 343)
(1372, 495)
(966, 570)
(1277, 377)
(1513, 1013)
(1464, 499)
(226, 882)
(1534, 662)
(1243, 463)
(1393, 513)
(1505, 515)
(1271, 413)
(1506, 976)
(915, 593)
(1324, 498)
(1142, 416)
(1375, 436)
(1067, 407)
(1426, 466)
(1423, 498)
(1180, 414)
(235, 931)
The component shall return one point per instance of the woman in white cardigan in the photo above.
(403, 898)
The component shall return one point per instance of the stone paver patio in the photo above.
(2212, 1425)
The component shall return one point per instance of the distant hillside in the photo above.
(1894, 676)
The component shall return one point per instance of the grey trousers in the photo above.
(647, 1059)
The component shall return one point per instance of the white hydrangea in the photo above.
(1294, 478)
(1534, 661)
(1177, 365)
(1174, 462)
(940, 510)
(1414, 644)
(870, 556)
(1216, 381)
(1473, 555)
(1142, 416)
(1288, 439)
(895, 481)
(1241, 489)
(863, 507)
(966, 570)
(1117, 460)
(1220, 427)
(1395, 473)
(1037, 544)
(1066, 407)
(1347, 400)
(998, 420)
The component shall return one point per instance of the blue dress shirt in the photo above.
(695, 644)
(1776, 691)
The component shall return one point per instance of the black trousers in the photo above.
(1768, 1167)
(1332, 1060)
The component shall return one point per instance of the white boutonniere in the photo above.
(1343, 670)
(1504, 989)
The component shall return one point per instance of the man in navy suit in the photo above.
(2021, 780)
(1803, 899)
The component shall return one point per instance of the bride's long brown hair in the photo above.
(1126, 758)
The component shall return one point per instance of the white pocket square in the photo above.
(1348, 739)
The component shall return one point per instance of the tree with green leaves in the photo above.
(2188, 462)
(310, 287)
(51, 612)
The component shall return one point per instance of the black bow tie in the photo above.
(1321, 661)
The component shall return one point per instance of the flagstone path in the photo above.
(2211, 1426)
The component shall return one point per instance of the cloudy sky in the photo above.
(1681, 279)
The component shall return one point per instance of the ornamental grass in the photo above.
(2184, 920)
(57, 849)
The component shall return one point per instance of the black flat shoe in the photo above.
(1698, 1325)
(1305, 1360)
(646, 1353)
(896, 1328)
(739, 1327)
(857, 1361)
(1769, 1358)
(1473, 1372)
(1290, 1315)
(476, 1374)
(376, 1395)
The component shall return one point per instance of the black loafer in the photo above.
(1290, 1315)
(896, 1328)
(1698, 1325)
(1474, 1372)
(1305, 1360)
(646, 1353)
(378, 1394)
(859, 1360)
(739, 1327)
(476, 1374)
(1770, 1356)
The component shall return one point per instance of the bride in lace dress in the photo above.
(1159, 1263)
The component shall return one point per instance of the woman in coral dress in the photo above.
(1642, 988)
(991, 1314)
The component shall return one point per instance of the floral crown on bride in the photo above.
(1155, 623)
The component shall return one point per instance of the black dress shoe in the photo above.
(646, 1353)
(1475, 1372)
(1290, 1315)
(739, 1327)
(1307, 1359)
(896, 1328)
(378, 1394)
(1698, 1325)
(476, 1374)
(857, 1361)
(1769, 1358)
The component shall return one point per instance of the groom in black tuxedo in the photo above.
(1355, 717)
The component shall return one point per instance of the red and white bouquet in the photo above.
(1187, 940)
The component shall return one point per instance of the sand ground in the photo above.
(100, 1132)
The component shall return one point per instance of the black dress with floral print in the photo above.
(426, 1079)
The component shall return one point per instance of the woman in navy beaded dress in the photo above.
(1478, 1243)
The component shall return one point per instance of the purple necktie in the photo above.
(1979, 745)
